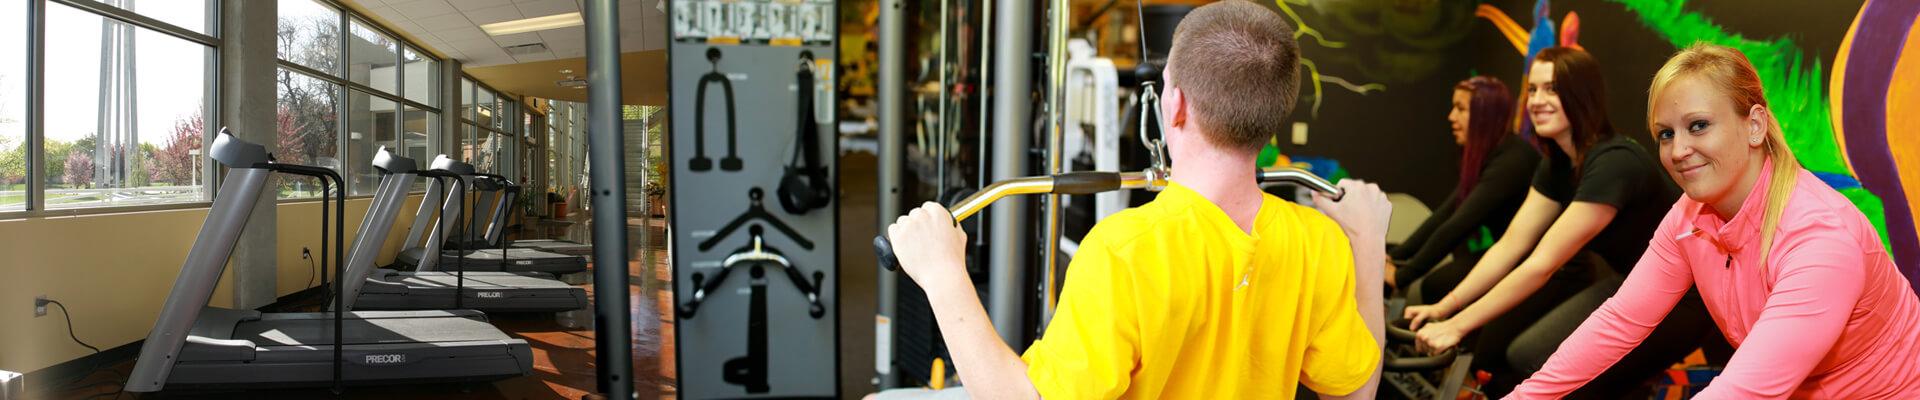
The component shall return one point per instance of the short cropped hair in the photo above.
(1239, 66)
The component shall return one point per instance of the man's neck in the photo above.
(1225, 178)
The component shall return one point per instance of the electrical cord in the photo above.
(96, 350)
(306, 254)
(70, 334)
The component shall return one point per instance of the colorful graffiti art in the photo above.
(1876, 108)
(1846, 138)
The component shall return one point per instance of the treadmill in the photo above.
(556, 246)
(192, 344)
(491, 259)
(388, 289)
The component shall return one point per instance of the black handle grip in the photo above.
(1086, 182)
(883, 248)
(1397, 333)
(1420, 364)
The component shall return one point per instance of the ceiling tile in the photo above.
(370, 3)
(444, 22)
(424, 8)
(569, 37)
(517, 39)
(543, 8)
(469, 5)
(475, 47)
(385, 12)
(541, 56)
(495, 14)
(462, 33)
(408, 27)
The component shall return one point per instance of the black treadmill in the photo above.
(192, 344)
(491, 259)
(388, 289)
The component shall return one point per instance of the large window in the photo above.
(129, 131)
(421, 138)
(375, 59)
(421, 73)
(13, 107)
(488, 137)
(310, 35)
(370, 125)
(308, 128)
(189, 14)
(348, 96)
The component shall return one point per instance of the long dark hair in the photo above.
(1489, 114)
(1583, 96)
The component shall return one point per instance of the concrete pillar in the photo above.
(450, 110)
(247, 63)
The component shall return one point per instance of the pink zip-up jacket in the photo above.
(1828, 316)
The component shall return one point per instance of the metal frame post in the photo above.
(613, 336)
(892, 118)
(1012, 132)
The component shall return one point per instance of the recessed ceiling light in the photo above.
(534, 24)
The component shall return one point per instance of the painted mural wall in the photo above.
(1837, 74)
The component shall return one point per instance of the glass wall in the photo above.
(13, 108)
(129, 131)
(307, 125)
(189, 14)
(384, 90)
(487, 130)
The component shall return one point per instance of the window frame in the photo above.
(504, 105)
(344, 30)
(36, 10)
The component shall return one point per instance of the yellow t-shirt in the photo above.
(1154, 307)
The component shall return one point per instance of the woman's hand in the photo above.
(1417, 315)
(1439, 336)
(1391, 269)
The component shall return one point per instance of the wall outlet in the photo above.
(1299, 134)
(40, 306)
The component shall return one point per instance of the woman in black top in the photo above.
(1494, 168)
(1596, 199)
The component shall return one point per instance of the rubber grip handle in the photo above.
(883, 248)
(1086, 182)
(1397, 333)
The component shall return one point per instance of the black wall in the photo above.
(1399, 137)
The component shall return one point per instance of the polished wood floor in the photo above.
(563, 345)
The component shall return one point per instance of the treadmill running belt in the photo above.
(319, 331)
(476, 281)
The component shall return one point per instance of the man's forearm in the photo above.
(988, 368)
(1369, 259)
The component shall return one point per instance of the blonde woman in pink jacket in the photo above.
(1792, 273)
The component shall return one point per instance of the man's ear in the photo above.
(1175, 106)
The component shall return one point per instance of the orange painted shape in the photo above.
(1512, 30)
(1903, 118)
(1837, 88)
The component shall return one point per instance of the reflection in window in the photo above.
(309, 35)
(189, 14)
(370, 124)
(421, 138)
(423, 78)
(128, 131)
(13, 109)
(473, 148)
(307, 124)
(466, 98)
(375, 59)
(488, 106)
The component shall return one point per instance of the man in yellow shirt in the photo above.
(1215, 290)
